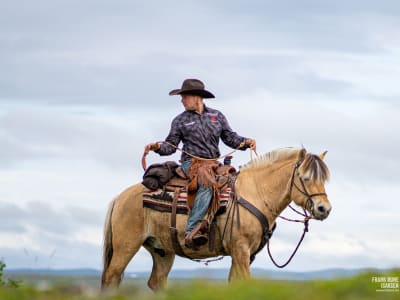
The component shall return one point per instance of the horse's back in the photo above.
(131, 194)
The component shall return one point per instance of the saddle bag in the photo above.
(157, 175)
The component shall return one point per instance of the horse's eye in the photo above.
(306, 179)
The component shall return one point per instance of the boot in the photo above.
(198, 236)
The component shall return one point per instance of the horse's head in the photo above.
(308, 185)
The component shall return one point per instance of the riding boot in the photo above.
(198, 236)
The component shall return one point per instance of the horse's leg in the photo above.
(123, 253)
(240, 268)
(124, 235)
(162, 264)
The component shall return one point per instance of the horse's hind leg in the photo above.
(162, 264)
(122, 254)
(124, 235)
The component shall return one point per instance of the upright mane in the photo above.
(314, 168)
(272, 157)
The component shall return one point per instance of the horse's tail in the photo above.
(107, 246)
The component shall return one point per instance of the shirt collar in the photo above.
(206, 109)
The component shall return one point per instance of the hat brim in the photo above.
(201, 93)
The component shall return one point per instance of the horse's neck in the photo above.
(267, 187)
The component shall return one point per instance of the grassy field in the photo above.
(358, 287)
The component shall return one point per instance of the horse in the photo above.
(268, 182)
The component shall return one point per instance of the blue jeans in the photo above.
(201, 202)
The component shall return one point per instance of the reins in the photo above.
(306, 219)
(202, 158)
(294, 251)
(144, 164)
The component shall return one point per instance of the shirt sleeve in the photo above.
(174, 137)
(229, 137)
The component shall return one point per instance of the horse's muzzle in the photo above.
(321, 210)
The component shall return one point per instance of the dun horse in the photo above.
(269, 183)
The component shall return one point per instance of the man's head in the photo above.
(192, 102)
(192, 87)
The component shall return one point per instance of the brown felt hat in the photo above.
(192, 87)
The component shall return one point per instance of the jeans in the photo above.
(201, 202)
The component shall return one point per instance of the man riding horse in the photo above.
(199, 127)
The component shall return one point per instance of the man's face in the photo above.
(191, 102)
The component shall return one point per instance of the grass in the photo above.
(358, 287)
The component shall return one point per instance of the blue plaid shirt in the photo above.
(200, 134)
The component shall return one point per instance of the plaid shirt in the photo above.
(200, 134)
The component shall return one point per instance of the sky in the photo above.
(84, 87)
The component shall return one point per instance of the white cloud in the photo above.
(79, 100)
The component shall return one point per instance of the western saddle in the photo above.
(210, 174)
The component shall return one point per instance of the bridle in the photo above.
(303, 191)
(309, 204)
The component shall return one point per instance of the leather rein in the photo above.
(145, 153)
(264, 222)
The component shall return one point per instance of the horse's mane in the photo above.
(314, 168)
(272, 157)
(312, 165)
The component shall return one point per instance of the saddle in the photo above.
(222, 175)
(207, 173)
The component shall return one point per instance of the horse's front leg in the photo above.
(162, 264)
(240, 268)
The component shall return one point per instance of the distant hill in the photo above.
(55, 272)
(208, 273)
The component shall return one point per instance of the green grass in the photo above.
(358, 287)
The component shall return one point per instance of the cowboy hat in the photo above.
(192, 87)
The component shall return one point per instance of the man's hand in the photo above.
(251, 143)
(151, 147)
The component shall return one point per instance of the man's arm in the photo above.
(232, 139)
(174, 138)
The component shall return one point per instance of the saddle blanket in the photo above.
(161, 200)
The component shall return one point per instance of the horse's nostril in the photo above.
(321, 209)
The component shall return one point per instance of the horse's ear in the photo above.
(302, 154)
(322, 155)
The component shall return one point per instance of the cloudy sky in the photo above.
(84, 86)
